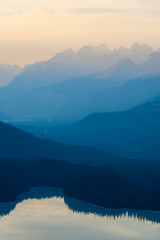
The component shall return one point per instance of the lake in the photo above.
(45, 214)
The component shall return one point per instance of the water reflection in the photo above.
(142, 216)
(61, 218)
(35, 193)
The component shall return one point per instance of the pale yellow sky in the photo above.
(33, 30)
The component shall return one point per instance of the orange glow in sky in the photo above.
(35, 30)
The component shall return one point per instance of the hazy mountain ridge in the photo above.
(74, 98)
(138, 53)
(63, 88)
(130, 94)
(68, 64)
(8, 73)
(134, 133)
(15, 143)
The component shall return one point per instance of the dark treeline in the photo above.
(98, 185)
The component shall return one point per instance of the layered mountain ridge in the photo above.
(29, 97)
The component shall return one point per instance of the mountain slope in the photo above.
(15, 143)
(132, 133)
(8, 73)
(132, 93)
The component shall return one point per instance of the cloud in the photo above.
(50, 11)
(13, 11)
(79, 11)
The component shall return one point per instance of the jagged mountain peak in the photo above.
(136, 46)
(66, 55)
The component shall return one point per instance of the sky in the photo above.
(34, 30)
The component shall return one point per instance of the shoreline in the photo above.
(77, 205)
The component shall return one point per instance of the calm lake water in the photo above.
(59, 218)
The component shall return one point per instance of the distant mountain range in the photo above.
(68, 64)
(8, 73)
(134, 133)
(123, 86)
